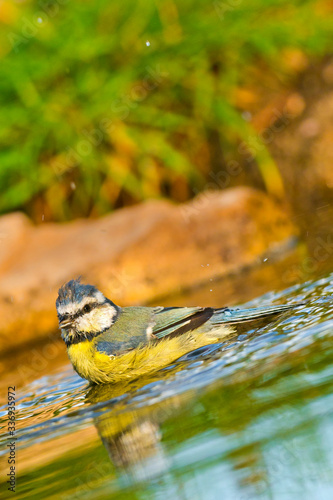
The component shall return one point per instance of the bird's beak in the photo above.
(65, 323)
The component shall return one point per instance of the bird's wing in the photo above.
(229, 316)
(171, 321)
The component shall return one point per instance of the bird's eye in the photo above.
(87, 308)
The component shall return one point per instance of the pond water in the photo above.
(251, 418)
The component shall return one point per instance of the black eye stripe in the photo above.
(81, 312)
(90, 306)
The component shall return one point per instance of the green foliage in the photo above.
(94, 117)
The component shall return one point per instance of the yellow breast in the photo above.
(101, 368)
(82, 358)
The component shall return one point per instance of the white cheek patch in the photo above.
(84, 323)
(97, 320)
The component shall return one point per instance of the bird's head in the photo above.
(83, 312)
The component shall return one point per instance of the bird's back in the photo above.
(129, 331)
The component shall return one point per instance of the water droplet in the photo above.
(247, 116)
(39, 20)
(265, 260)
(73, 185)
(148, 43)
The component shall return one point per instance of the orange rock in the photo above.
(134, 255)
(13, 230)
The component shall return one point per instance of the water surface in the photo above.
(250, 418)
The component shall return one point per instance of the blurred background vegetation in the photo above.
(107, 103)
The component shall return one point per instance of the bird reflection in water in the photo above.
(132, 438)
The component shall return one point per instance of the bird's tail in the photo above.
(227, 315)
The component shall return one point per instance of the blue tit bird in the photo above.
(108, 344)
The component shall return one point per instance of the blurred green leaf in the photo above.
(72, 73)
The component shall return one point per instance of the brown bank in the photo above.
(135, 255)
